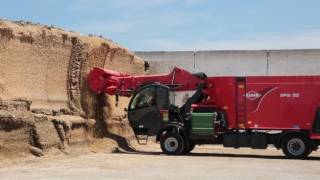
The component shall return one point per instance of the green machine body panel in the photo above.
(203, 123)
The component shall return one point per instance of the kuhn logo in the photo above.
(252, 95)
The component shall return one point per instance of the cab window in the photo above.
(145, 98)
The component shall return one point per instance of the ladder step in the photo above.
(142, 139)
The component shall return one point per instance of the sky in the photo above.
(170, 25)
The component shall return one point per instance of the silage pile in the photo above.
(44, 98)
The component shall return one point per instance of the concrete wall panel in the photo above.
(294, 62)
(225, 63)
(163, 62)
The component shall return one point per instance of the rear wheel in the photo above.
(296, 146)
(172, 143)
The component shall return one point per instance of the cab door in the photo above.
(144, 109)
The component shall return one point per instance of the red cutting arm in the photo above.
(112, 82)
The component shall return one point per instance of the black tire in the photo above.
(296, 146)
(189, 146)
(172, 143)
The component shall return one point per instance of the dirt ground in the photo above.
(206, 162)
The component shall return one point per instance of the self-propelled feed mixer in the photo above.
(253, 111)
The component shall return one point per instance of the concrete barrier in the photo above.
(294, 62)
(163, 62)
(240, 63)
(237, 63)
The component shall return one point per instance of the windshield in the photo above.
(145, 98)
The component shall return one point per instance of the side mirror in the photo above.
(125, 109)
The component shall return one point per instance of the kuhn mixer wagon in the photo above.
(237, 112)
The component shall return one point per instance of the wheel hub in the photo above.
(296, 146)
(171, 144)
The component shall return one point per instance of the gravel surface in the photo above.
(206, 162)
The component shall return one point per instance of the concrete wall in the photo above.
(235, 63)
(239, 63)
(163, 62)
(294, 62)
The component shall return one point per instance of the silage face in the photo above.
(49, 66)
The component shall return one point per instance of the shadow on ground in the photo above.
(222, 155)
(122, 143)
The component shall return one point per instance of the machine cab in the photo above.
(144, 111)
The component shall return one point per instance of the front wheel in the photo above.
(172, 143)
(296, 146)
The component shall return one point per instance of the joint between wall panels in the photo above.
(194, 61)
(268, 57)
